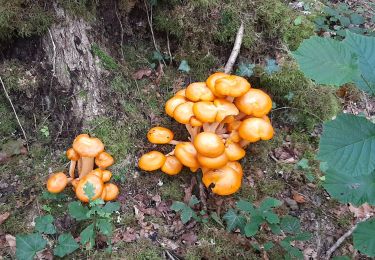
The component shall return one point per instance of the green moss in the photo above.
(142, 249)
(83, 8)
(171, 190)
(295, 34)
(107, 61)
(268, 187)
(8, 123)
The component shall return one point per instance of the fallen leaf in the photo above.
(4, 217)
(189, 238)
(299, 198)
(11, 242)
(46, 254)
(4, 157)
(142, 73)
(362, 211)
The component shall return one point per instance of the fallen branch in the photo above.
(15, 113)
(236, 49)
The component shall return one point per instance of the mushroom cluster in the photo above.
(222, 115)
(86, 152)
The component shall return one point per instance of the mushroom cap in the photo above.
(172, 103)
(95, 181)
(205, 111)
(233, 125)
(194, 169)
(98, 172)
(198, 91)
(195, 121)
(229, 119)
(232, 85)
(181, 92)
(226, 180)
(57, 182)
(110, 191)
(160, 135)
(211, 81)
(255, 129)
(186, 153)
(151, 161)
(255, 102)
(72, 154)
(87, 146)
(213, 163)
(107, 175)
(234, 136)
(209, 144)
(104, 160)
(224, 109)
(184, 112)
(75, 183)
(235, 166)
(172, 166)
(234, 151)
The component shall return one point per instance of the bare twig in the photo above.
(236, 49)
(122, 33)
(15, 113)
(169, 50)
(342, 239)
(54, 54)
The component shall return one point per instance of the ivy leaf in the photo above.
(66, 245)
(89, 190)
(348, 144)
(290, 224)
(111, 207)
(364, 237)
(44, 224)
(269, 203)
(184, 66)
(327, 61)
(104, 226)
(271, 66)
(245, 206)
(245, 70)
(28, 245)
(77, 211)
(88, 236)
(233, 220)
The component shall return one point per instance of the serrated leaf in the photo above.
(303, 164)
(53, 196)
(111, 207)
(187, 214)
(89, 190)
(44, 224)
(357, 19)
(96, 202)
(327, 61)
(105, 227)
(66, 245)
(178, 206)
(268, 246)
(88, 236)
(245, 70)
(184, 66)
(351, 189)
(233, 220)
(290, 224)
(245, 206)
(251, 228)
(193, 201)
(28, 245)
(348, 145)
(271, 66)
(77, 211)
(269, 203)
(275, 228)
(217, 219)
(364, 237)
(271, 217)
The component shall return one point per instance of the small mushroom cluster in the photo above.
(222, 115)
(85, 153)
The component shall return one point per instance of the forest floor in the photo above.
(284, 168)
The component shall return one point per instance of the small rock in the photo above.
(291, 203)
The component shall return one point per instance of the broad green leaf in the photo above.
(88, 236)
(271, 66)
(327, 61)
(357, 19)
(251, 228)
(351, 189)
(193, 201)
(157, 56)
(77, 211)
(364, 237)
(290, 224)
(233, 220)
(178, 206)
(186, 214)
(269, 203)
(291, 250)
(53, 196)
(96, 202)
(245, 70)
(303, 164)
(89, 190)
(348, 145)
(271, 217)
(345, 21)
(104, 226)
(364, 47)
(245, 206)
(275, 228)
(184, 66)
(28, 245)
(44, 224)
(66, 245)
(111, 207)
(217, 219)
(268, 246)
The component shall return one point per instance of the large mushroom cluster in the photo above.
(222, 115)
(86, 152)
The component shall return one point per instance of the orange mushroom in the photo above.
(213, 163)
(255, 129)
(88, 148)
(160, 135)
(104, 160)
(186, 153)
(195, 121)
(57, 182)
(172, 103)
(151, 161)
(73, 156)
(198, 91)
(232, 85)
(234, 151)
(184, 112)
(181, 92)
(224, 109)
(98, 172)
(209, 144)
(107, 175)
(211, 81)
(97, 184)
(110, 192)
(205, 111)
(172, 166)
(255, 102)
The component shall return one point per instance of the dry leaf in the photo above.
(11, 242)
(142, 73)
(4, 217)
(189, 238)
(298, 198)
(362, 211)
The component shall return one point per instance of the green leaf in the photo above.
(53, 196)
(271, 217)
(233, 220)
(269, 203)
(357, 19)
(271, 66)
(348, 145)
(268, 246)
(275, 228)
(66, 245)
(216, 218)
(327, 61)
(96, 202)
(303, 164)
(193, 201)
(44, 224)
(89, 190)
(77, 211)
(351, 189)
(186, 214)
(364, 237)
(245, 206)
(341, 257)
(303, 236)
(178, 206)
(104, 226)
(290, 224)
(344, 21)
(245, 70)
(157, 56)
(184, 66)
(298, 20)
(88, 236)
(251, 228)
(28, 245)
(111, 207)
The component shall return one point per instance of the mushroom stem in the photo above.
(240, 116)
(211, 127)
(244, 143)
(225, 136)
(174, 142)
(79, 166)
(87, 166)
(189, 128)
(230, 99)
(170, 153)
(196, 131)
(72, 168)
(221, 129)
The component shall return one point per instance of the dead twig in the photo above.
(15, 113)
(122, 33)
(169, 50)
(236, 49)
